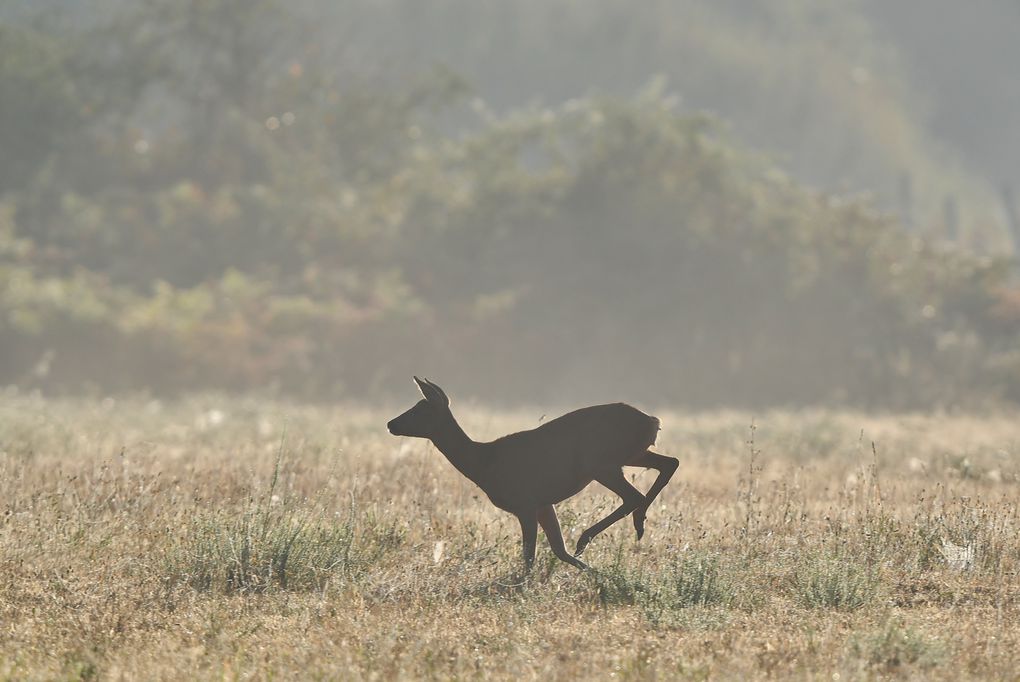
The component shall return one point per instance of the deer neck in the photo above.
(458, 448)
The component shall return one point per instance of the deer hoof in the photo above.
(639, 523)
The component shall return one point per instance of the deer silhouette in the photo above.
(526, 473)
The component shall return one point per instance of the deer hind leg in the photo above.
(632, 499)
(529, 532)
(551, 526)
(665, 466)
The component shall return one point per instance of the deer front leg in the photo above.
(551, 526)
(529, 533)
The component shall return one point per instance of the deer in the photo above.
(528, 472)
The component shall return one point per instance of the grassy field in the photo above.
(226, 538)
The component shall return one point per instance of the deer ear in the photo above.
(422, 386)
(431, 392)
(441, 394)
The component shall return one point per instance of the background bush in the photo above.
(211, 201)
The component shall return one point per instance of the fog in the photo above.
(691, 203)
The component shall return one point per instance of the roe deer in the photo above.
(526, 473)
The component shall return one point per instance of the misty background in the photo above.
(695, 203)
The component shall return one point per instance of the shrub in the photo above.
(895, 646)
(275, 544)
(835, 582)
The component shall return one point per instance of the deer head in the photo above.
(427, 416)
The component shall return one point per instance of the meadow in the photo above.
(216, 537)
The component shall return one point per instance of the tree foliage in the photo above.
(222, 214)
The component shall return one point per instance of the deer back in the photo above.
(558, 459)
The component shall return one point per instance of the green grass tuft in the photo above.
(835, 582)
(895, 646)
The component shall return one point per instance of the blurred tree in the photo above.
(39, 106)
(237, 206)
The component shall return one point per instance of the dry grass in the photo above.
(236, 538)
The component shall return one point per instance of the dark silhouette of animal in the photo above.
(526, 473)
